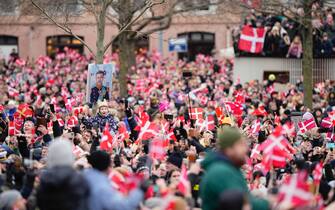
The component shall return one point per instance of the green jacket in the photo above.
(221, 175)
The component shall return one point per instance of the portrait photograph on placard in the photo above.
(99, 82)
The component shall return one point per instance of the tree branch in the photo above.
(124, 28)
(64, 28)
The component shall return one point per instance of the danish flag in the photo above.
(289, 129)
(252, 39)
(157, 149)
(255, 152)
(78, 110)
(219, 113)
(69, 103)
(106, 142)
(148, 131)
(276, 149)
(201, 124)
(327, 122)
(196, 113)
(307, 125)
(256, 127)
(295, 190)
(203, 100)
(12, 131)
(122, 132)
(234, 107)
(239, 97)
(72, 122)
(317, 173)
(330, 136)
(210, 122)
(276, 142)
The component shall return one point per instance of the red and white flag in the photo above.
(289, 129)
(255, 152)
(201, 125)
(317, 173)
(203, 99)
(69, 103)
(306, 125)
(157, 149)
(210, 122)
(12, 129)
(123, 133)
(252, 39)
(107, 139)
(183, 185)
(148, 131)
(78, 110)
(256, 127)
(72, 122)
(234, 107)
(13, 92)
(327, 122)
(196, 113)
(330, 136)
(295, 191)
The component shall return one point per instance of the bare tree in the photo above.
(155, 19)
(133, 18)
(301, 12)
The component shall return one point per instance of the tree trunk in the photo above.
(307, 61)
(127, 60)
(100, 36)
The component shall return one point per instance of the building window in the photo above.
(8, 46)
(63, 7)
(58, 43)
(8, 7)
(198, 43)
(201, 7)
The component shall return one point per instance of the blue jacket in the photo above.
(103, 197)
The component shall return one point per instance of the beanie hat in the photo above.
(99, 160)
(143, 164)
(8, 198)
(227, 137)
(175, 159)
(60, 153)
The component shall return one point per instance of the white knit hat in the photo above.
(60, 153)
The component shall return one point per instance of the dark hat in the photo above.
(99, 160)
(287, 112)
(175, 159)
(227, 137)
(141, 167)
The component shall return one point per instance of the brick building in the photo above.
(21, 28)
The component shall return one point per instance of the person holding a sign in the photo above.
(99, 92)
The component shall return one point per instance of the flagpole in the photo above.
(190, 109)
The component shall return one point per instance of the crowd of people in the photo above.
(283, 36)
(187, 136)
